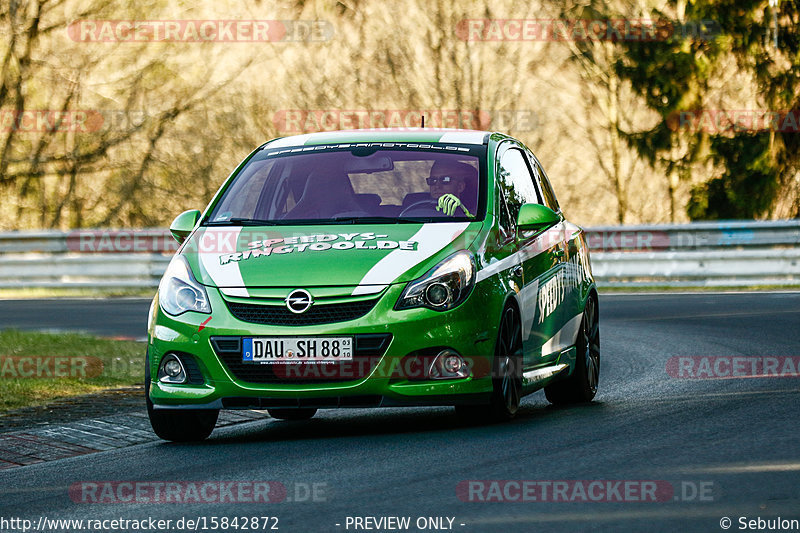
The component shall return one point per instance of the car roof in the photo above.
(423, 135)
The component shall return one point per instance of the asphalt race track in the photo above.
(714, 447)
(125, 317)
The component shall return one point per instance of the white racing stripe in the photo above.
(241, 292)
(542, 243)
(294, 140)
(463, 137)
(565, 337)
(430, 238)
(368, 289)
(227, 275)
(497, 266)
(528, 294)
(528, 299)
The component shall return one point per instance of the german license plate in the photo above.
(286, 350)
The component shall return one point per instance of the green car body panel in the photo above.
(545, 274)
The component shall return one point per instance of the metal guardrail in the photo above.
(752, 267)
(89, 241)
(126, 271)
(735, 253)
(695, 236)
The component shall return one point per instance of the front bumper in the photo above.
(465, 329)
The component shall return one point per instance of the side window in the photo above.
(544, 184)
(516, 182)
(508, 226)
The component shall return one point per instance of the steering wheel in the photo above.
(352, 213)
(429, 204)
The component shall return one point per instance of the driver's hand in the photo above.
(448, 203)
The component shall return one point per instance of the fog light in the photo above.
(448, 364)
(452, 363)
(171, 370)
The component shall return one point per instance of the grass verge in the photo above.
(36, 368)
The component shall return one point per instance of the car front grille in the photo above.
(367, 352)
(279, 315)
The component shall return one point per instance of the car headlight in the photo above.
(443, 287)
(179, 292)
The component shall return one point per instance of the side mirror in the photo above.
(183, 224)
(536, 217)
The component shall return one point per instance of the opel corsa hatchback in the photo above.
(373, 268)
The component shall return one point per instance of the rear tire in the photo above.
(292, 414)
(178, 425)
(581, 386)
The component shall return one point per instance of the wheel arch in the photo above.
(510, 298)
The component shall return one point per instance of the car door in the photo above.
(539, 275)
(573, 259)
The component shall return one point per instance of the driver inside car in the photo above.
(447, 182)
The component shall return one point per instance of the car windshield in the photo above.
(369, 182)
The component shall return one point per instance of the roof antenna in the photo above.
(423, 121)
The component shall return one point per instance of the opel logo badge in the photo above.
(299, 301)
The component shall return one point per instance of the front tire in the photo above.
(506, 373)
(178, 425)
(581, 386)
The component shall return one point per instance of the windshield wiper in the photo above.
(380, 220)
(237, 221)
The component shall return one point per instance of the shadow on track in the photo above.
(332, 424)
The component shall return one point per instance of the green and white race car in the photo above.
(373, 268)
